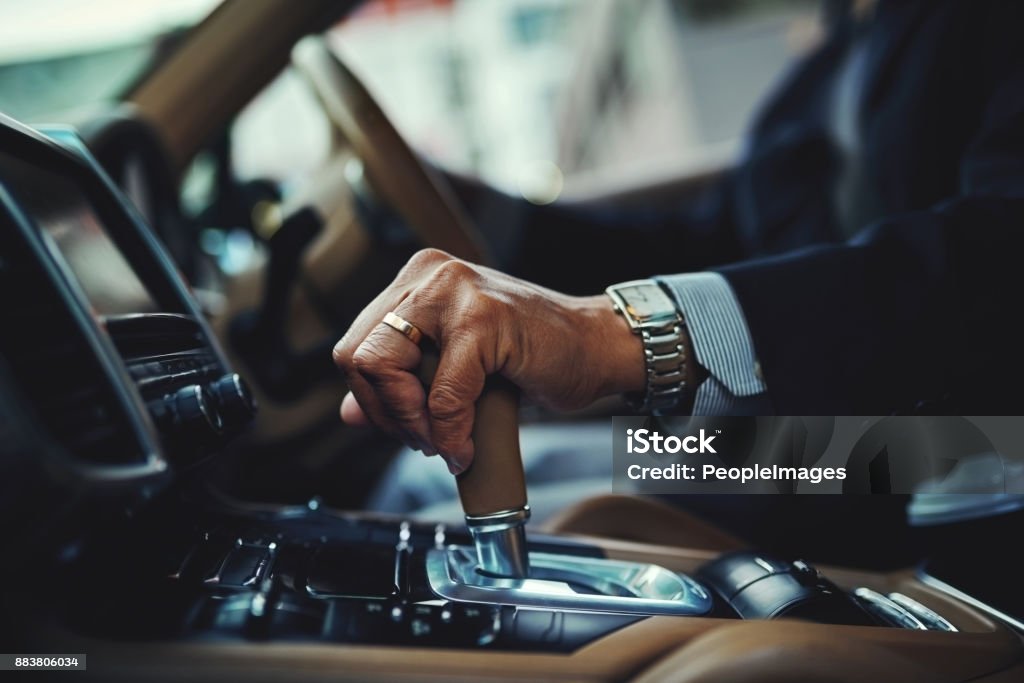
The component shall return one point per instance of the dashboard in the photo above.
(102, 333)
(77, 238)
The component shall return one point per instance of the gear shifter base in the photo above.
(500, 541)
(568, 582)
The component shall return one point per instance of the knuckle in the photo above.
(405, 414)
(427, 257)
(342, 353)
(367, 358)
(343, 359)
(444, 403)
(452, 271)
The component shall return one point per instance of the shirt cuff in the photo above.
(718, 330)
(712, 398)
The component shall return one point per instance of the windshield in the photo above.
(59, 57)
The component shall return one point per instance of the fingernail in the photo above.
(453, 465)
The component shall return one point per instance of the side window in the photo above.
(475, 86)
(59, 59)
(673, 83)
(534, 96)
(528, 93)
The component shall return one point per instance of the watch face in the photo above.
(646, 302)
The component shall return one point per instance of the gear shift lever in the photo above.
(493, 489)
(493, 494)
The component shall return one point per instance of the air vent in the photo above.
(154, 334)
(55, 366)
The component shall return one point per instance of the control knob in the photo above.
(188, 414)
(235, 401)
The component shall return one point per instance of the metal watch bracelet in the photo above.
(665, 359)
(653, 316)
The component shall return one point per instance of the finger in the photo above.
(366, 404)
(373, 412)
(387, 360)
(451, 404)
(419, 267)
(352, 413)
(364, 323)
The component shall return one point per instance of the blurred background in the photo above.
(537, 97)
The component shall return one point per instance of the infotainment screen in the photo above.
(76, 234)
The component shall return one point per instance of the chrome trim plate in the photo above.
(569, 582)
(929, 617)
(928, 579)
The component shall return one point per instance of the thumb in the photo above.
(352, 413)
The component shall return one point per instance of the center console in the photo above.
(314, 575)
(369, 595)
(318, 576)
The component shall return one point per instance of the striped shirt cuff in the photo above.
(718, 330)
(712, 398)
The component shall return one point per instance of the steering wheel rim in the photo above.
(416, 191)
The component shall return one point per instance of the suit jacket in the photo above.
(918, 311)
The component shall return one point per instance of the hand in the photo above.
(561, 351)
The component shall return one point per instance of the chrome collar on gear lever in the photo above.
(500, 540)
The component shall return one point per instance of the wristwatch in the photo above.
(653, 316)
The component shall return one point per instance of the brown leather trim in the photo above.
(642, 520)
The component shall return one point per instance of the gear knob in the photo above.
(493, 488)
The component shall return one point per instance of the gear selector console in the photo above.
(500, 569)
(569, 582)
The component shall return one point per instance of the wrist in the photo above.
(615, 353)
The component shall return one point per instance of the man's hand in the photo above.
(562, 351)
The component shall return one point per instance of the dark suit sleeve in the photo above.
(920, 311)
(582, 248)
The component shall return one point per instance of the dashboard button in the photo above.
(352, 571)
(244, 566)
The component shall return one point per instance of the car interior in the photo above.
(181, 502)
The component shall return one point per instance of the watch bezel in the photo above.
(656, 319)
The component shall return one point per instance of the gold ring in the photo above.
(404, 326)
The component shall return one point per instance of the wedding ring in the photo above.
(404, 326)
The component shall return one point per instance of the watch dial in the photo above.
(646, 301)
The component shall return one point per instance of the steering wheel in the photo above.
(287, 354)
(419, 194)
